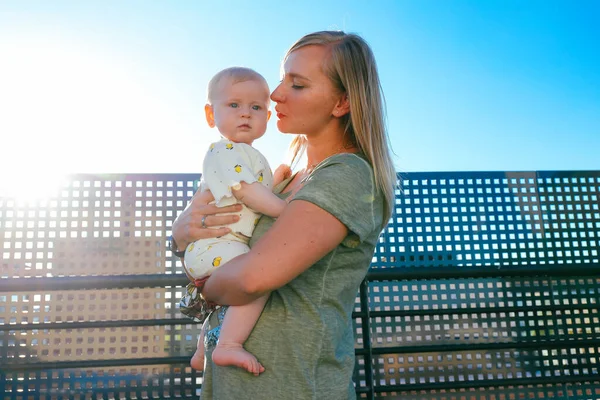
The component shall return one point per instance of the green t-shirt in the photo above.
(304, 337)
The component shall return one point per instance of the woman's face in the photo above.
(305, 97)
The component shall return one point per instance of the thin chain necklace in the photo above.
(310, 168)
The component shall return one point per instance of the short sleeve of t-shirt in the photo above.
(344, 186)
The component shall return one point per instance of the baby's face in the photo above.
(241, 110)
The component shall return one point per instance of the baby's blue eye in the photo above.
(256, 108)
(233, 105)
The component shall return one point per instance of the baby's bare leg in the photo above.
(197, 361)
(237, 325)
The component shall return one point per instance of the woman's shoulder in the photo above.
(354, 160)
(350, 158)
(354, 164)
(348, 173)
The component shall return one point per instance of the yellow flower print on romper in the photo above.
(216, 261)
(260, 177)
(238, 168)
(229, 146)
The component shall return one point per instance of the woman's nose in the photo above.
(277, 95)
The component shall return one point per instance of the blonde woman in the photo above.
(314, 256)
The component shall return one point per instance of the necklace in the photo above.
(310, 168)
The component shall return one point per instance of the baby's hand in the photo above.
(281, 173)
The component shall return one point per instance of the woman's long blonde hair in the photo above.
(352, 70)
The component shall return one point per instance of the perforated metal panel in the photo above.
(146, 382)
(96, 225)
(441, 334)
(495, 336)
(477, 218)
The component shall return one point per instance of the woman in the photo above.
(314, 256)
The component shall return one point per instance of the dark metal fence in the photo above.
(483, 286)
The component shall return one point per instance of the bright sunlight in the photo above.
(65, 109)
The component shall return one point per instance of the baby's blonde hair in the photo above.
(234, 75)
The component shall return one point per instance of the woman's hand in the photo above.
(201, 220)
(281, 173)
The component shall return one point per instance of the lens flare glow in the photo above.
(68, 109)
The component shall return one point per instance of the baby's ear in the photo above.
(210, 115)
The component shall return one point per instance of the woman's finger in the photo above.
(211, 209)
(220, 220)
(201, 220)
(204, 197)
(207, 233)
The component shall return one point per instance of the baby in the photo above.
(235, 172)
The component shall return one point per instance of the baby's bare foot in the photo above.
(235, 355)
(197, 361)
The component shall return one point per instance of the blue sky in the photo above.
(119, 86)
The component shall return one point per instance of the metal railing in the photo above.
(364, 316)
(483, 285)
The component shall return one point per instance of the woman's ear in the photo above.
(210, 115)
(342, 107)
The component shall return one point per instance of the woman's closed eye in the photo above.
(294, 85)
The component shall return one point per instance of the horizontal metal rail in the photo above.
(13, 285)
(545, 344)
(499, 271)
(488, 383)
(116, 362)
(479, 310)
(32, 326)
(71, 325)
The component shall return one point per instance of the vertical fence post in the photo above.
(366, 332)
(3, 385)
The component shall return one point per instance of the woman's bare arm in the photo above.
(303, 234)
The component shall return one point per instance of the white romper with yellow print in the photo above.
(226, 164)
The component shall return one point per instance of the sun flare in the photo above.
(68, 109)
